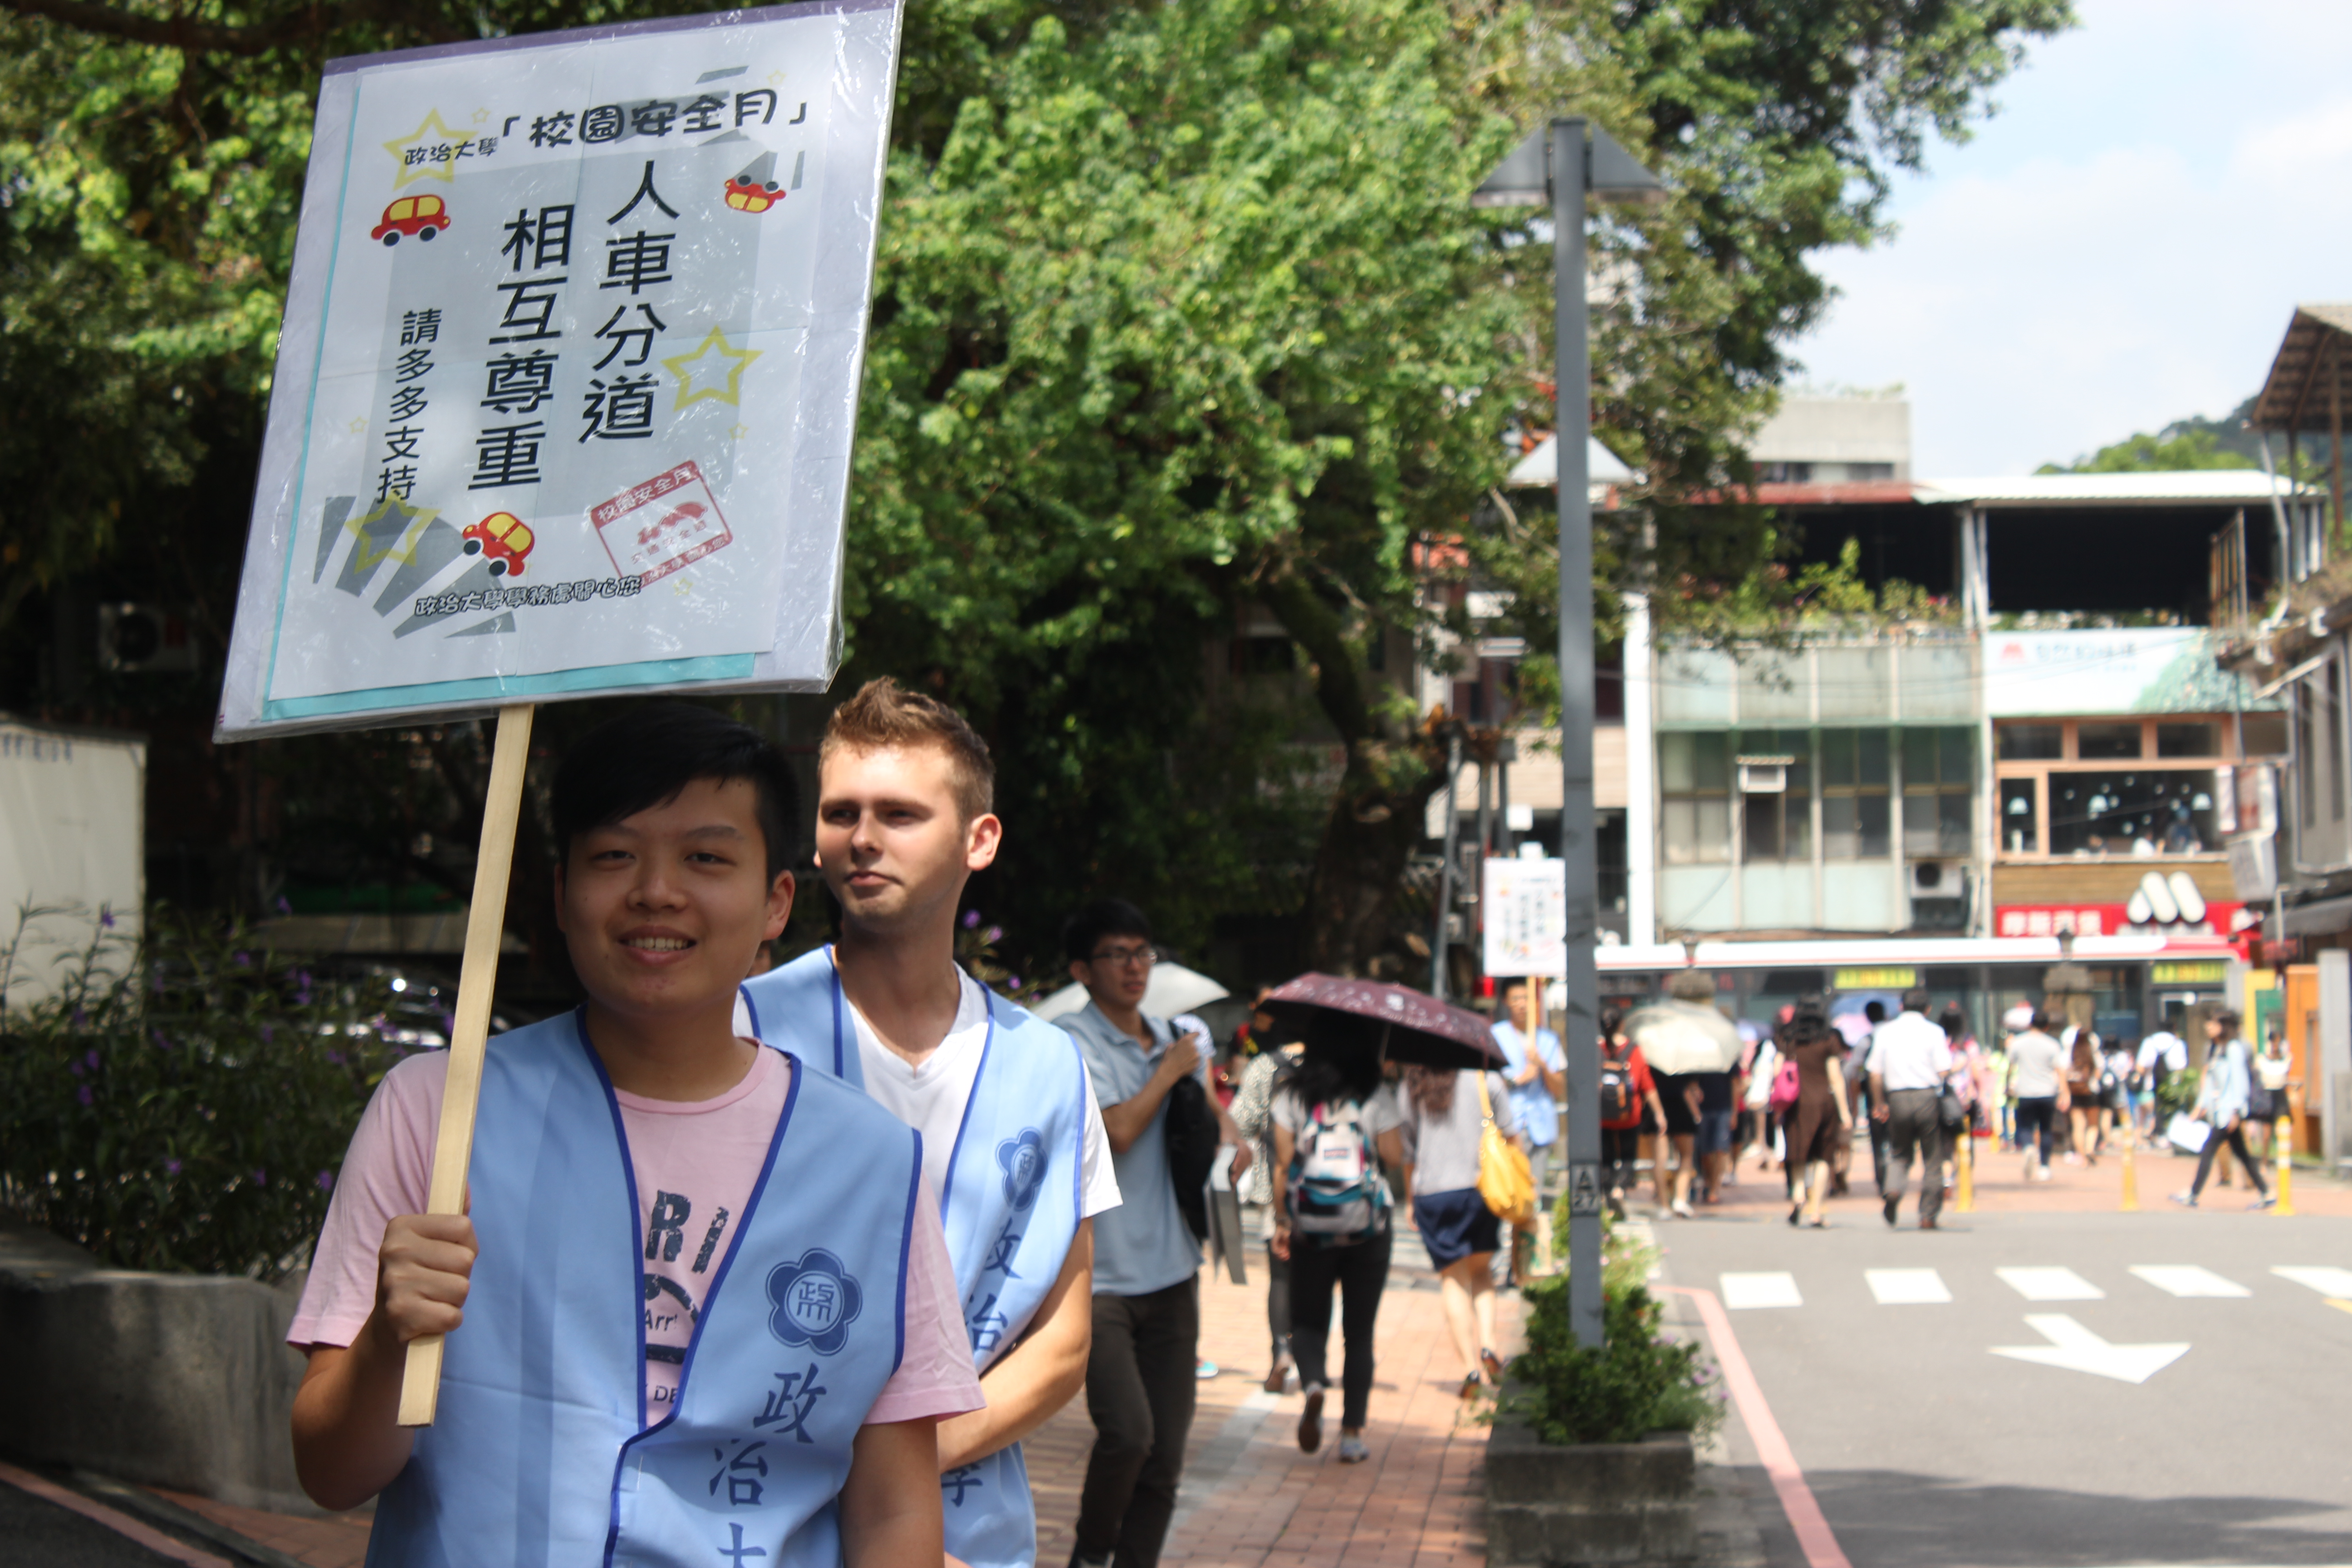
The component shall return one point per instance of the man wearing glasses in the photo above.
(1147, 1303)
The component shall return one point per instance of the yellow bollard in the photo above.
(2282, 1139)
(2131, 1181)
(1963, 1195)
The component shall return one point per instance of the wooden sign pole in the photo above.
(477, 982)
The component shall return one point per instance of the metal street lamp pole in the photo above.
(1561, 163)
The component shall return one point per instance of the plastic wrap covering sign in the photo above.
(570, 368)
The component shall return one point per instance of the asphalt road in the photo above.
(1926, 1450)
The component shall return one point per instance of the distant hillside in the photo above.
(2196, 442)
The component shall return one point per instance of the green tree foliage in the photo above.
(1181, 312)
(2164, 452)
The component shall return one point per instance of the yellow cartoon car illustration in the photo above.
(423, 216)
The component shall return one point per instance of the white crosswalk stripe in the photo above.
(2188, 1279)
(2050, 1285)
(2332, 1282)
(1752, 1291)
(1906, 1287)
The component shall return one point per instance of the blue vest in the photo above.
(1011, 1208)
(539, 1454)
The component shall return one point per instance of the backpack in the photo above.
(1786, 1087)
(1336, 1190)
(1616, 1089)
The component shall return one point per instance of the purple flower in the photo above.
(242, 960)
(302, 978)
(163, 1041)
(81, 1017)
(992, 934)
(970, 919)
(83, 1095)
(105, 918)
(326, 1181)
(336, 1058)
(283, 907)
(75, 1068)
(90, 1062)
(260, 1178)
(1013, 982)
(171, 1167)
(268, 1033)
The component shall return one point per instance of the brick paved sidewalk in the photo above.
(1250, 1497)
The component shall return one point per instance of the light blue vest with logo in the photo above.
(1010, 1209)
(540, 1454)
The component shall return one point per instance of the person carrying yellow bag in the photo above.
(1506, 1177)
(1446, 1134)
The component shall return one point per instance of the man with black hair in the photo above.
(1011, 1138)
(1909, 1059)
(1147, 1301)
(700, 1305)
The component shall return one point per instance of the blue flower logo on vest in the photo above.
(815, 1301)
(1023, 1160)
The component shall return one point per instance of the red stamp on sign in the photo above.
(661, 526)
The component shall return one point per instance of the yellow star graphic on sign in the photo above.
(429, 133)
(736, 432)
(714, 362)
(481, 116)
(401, 545)
(358, 426)
(775, 79)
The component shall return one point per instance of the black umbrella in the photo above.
(1400, 1025)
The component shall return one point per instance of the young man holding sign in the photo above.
(1012, 1140)
(699, 1309)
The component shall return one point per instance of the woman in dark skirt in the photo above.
(1443, 1118)
(1822, 1119)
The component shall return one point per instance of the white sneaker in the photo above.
(1682, 1207)
(2042, 1173)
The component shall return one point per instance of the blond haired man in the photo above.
(1012, 1140)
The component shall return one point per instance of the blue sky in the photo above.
(2120, 246)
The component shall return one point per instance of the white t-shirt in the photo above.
(930, 1098)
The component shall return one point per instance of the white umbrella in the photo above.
(1174, 989)
(1680, 1037)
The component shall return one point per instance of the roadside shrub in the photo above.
(181, 1103)
(1638, 1383)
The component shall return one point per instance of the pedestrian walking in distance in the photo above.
(2222, 1102)
(2037, 1076)
(1253, 1110)
(1140, 1373)
(1822, 1119)
(1910, 1058)
(1442, 1120)
(1336, 1130)
(1538, 1075)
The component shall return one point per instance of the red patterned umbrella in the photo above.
(1401, 1024)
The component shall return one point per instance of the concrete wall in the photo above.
(174, 1380)
(1867, 429)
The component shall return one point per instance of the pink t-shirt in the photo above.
(696, 1165)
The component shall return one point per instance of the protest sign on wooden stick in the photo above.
(564, 401)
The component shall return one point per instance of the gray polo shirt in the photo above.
(1141, 1245)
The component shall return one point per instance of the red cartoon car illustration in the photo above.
(505, 538)
(755, 189)
(423, 216)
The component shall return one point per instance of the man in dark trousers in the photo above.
(1147, 1286)
(1909, 1059)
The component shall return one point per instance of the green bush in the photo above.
(1636, 1384)
(182, 1103)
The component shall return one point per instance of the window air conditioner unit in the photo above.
(1937, 879)
(1764, 776)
